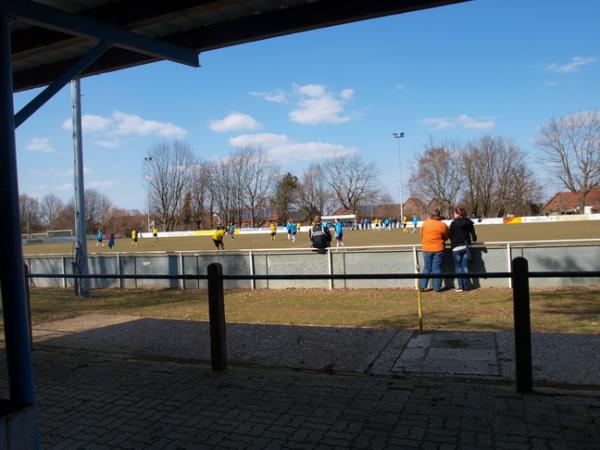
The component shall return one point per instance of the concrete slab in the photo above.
(450, 353)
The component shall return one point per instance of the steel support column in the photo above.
(80, 226)
(12, 278)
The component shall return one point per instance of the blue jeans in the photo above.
(432, 263)
(461, 265)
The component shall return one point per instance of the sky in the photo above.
(498, 67)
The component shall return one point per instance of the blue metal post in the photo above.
(12, 278)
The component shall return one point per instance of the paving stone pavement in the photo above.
(468, 354)
(91, 400)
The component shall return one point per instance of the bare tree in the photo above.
(257, 182)
(29, 209)
(351, 179)
(314, 195)
(169, 167)
(202, 201)
(572, 151)
(98, 209)
(439, 174)
(223, 189)
(50, 208)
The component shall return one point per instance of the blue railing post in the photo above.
(216, 314)
(522, 320)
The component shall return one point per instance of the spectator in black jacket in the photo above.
(462, 235)
(320, 235)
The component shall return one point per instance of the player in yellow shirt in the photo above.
(273, 228)
(134, 237)
(155, 233)
(218, 237)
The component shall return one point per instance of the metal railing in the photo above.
(519, 276)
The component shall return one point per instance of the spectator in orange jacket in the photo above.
(434, 234)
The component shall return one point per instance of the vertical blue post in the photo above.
(12, 278)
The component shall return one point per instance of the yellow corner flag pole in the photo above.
(419, 305)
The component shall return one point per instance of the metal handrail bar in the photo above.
(364, 276)
(344, 249)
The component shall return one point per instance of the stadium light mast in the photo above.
(400, 136)
(147, 159)
(81, 254)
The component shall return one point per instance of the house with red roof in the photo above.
(568, 203)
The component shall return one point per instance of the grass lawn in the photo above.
(485, 233)
(572, 310)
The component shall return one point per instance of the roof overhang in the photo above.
(142, 31)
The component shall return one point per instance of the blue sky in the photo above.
(500, 67)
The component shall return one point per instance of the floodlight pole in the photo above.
(80, 226)
(400, 136)
(148, 159)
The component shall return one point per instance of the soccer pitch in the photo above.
(485, 233)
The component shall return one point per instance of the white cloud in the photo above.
(400, 87)
(347, 94)
(439, 123)
(124, 124)
(40, 145)
(257, 140)
(312, 90)
(465, 121)
(129, 124)
(470, 122)
(101, 184)
(316, 105)
(572, 66)
(108, 143)
(277, 97)
(90, 123)
(234, 122)
(308, 151)
(279, 148)
(551, 83)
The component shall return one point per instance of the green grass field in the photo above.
(485, 233)
(563, 310)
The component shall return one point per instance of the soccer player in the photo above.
(294, 229)
(218, 237)
(232, 231)
(273, 228)
(134, 237)
(155, 234)
(289, 230)
(415, 223)
(99, 238)
(339, 234)
(111, 241)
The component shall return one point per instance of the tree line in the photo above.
(51, 213)
(245, 187)
(490, 176)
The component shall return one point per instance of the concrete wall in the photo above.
(487, 258)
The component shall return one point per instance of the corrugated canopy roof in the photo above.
(40, 52)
